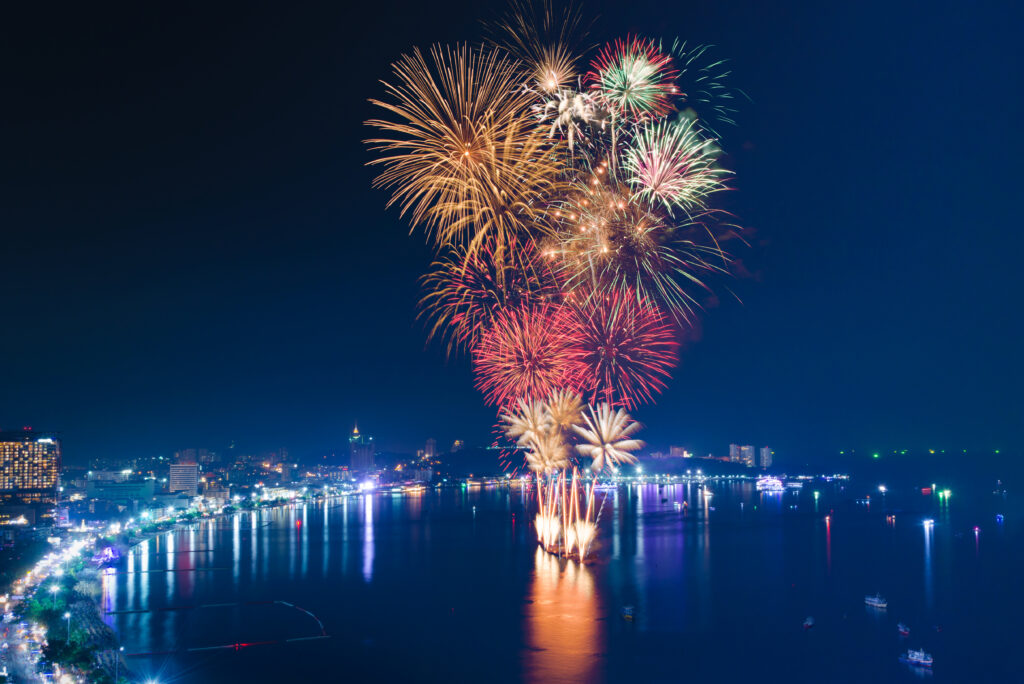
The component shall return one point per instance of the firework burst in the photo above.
(523, 354)
(526, 420)
(466, 290)
(673, 164)
(564, 408)
(547, 453)
(608, 437)
(623, 349)
(463, 155)
(546, 39)
(604, 238)
(634, 79)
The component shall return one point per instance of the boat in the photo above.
(918, 658)
(769, 484)
(876, 601)
(808, 623)
(903, 629)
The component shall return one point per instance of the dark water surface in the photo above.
(450, 585)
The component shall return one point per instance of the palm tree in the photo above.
(607, 437)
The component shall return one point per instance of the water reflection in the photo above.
(564, 635)
(928, 594)
(368, 537)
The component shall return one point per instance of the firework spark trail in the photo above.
(703, 84)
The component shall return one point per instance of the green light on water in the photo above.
(875, 455)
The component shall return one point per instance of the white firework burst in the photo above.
(608, 437)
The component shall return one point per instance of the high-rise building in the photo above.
(184, 477)
(734, 453)
(767, 455)
(431, 448)
(29, 468)
(679, 452)
(361, 451)
(747, 456)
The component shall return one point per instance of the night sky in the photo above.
(192, 253)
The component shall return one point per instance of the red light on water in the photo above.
(926, 491)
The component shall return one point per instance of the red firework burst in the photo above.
(465, 291)
(622, 349)
(634, 78)
(524, 354)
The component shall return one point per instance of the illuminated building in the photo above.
(184, 477)
(431, 449)
(766, 457)
(29, 468)
(747, 456)
(458, 445)
(361, 451)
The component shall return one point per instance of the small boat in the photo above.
(808, 623)
(627, 613)
(918, 658)
(903, 629)
(876, 601)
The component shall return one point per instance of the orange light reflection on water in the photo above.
(565, 637)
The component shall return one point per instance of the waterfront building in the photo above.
(766, 457)
(361, 451)
(431, 449)
(30, 469)
(184, 478)
(120, 491)
(734, 453)
(747, 456)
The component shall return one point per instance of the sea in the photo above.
(710, 581)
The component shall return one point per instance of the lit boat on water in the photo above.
(876, 601)
(903, 629)
(769, 484)
(918, 658)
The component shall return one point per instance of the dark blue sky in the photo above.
(192, 252)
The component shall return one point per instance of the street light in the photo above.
(53, 591)
(67, 616)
